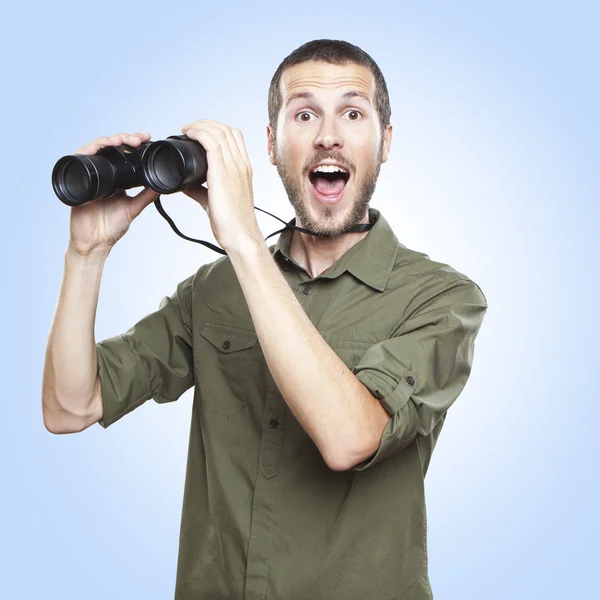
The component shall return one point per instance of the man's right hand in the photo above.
(98, 225)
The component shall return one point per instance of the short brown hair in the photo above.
(335, 52)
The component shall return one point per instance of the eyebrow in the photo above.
(310, 96)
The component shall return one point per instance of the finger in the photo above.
(239, 138)
(140, 201)
(199, 194)
(231, 155)
(94, 146)
(231, 140)
(215, 154)
(98, 144)
(113, 140)
(135, 139)
(132, 139)
(242, 161)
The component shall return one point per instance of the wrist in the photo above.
(250, 245)
(91, 257)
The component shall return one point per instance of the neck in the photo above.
(316, 254)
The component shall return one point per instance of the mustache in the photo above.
(334, 156)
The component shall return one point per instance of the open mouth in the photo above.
(328, 182)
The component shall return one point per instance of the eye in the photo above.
(304, 113)
(356, 114)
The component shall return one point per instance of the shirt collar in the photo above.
(370, 260)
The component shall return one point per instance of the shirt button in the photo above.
(410, 380)
(226, 345)
(306, 291)
(273, 423)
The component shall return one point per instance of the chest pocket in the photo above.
(223, 360)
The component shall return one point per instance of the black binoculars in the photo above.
(166, 166)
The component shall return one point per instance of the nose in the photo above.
(329, 135)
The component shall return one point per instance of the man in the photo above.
(323, 365)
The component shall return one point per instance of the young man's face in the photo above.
(323, 120)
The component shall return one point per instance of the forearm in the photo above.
(70, 368)
(335, 409)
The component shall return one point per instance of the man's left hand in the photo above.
(228, 197)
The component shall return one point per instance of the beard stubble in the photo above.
(325, 224)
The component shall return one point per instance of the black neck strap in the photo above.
(359, 227)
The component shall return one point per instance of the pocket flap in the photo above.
(228, 339)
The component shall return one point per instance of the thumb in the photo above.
(199, 194)
(139, 202)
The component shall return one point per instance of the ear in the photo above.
(387, 143)
(271, 145)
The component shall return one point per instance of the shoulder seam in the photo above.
(447, 287)
(456, 275)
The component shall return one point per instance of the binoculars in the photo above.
(166, 166)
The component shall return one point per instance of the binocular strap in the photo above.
(159, 207)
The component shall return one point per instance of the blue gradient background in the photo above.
(493, 170)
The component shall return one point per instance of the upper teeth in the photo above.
(329, 169)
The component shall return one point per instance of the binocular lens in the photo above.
(174, 164)
(165, 166)
(76, 179)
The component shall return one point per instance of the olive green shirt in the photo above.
(263, 515)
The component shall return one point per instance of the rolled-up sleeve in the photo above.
(153, 359)
(419, 372)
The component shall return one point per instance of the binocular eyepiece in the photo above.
(166, 166)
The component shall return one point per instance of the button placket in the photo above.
(272, 436)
